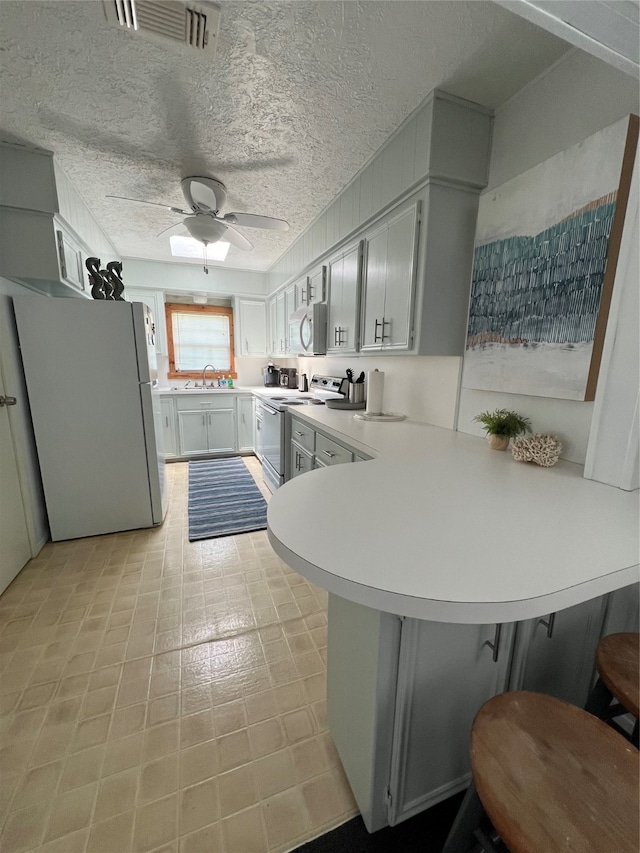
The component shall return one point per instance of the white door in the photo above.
(317, 285)
(374, 288)
(222, 430)
(445, 673)
(350, 293)
(335, 319)
(245, 423)
(282, 322)
(401, 254)
(15, 550)
(561, 651)
(168, 427)
(252, 328)
(193, 432)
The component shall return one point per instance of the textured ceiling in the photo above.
(298, 99)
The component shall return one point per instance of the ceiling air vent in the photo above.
(192, 24)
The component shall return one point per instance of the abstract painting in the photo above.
(547, 243)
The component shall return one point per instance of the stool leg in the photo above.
(599, 699)
(470, 815)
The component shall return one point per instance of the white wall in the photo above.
(613, 452)
(575, 98)
(191, 278)
(422, 388)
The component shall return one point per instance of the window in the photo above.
(199, 335)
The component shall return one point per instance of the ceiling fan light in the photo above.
(187, 247)
(205, 228)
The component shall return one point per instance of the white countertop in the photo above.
(170, 391)
(441, 527)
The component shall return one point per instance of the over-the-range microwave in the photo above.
(308, 330)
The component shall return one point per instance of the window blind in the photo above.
(200, 339)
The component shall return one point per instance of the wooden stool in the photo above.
(618, 664)
(550, 777)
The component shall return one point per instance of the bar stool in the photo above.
(618, 665)
(549, 777)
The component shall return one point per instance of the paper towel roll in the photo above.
(375, 390)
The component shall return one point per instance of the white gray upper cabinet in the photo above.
(388, 287)
(251, 327)
(40, 207)
(345, 271)
(312, 288)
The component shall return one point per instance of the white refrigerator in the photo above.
(91, 374)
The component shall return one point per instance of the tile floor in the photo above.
(166, 696)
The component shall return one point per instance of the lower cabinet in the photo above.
(167, 408)
(246, 423)
(207, 432)
(310, 449)
(560, 651)
(402, 693)
(208, 424)
(301, 460)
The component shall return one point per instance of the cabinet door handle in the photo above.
(548, 624)
(495, 646)
(377, 337)
(166, 420)
(385, 323)
(329, 454)
(297, 432)
(7, 401)
(246, 345)
(209, 417)
(203, 421)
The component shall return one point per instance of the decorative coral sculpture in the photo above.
(541, 448)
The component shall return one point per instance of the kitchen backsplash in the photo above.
(423, 388)
(249, 370)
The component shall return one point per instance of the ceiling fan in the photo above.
(205, 197)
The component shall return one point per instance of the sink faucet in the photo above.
(205, 370)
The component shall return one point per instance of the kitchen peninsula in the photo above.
(454, 573)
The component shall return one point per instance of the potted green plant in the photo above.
(501, 426)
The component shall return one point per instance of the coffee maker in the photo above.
(271, 375)
(289, 377)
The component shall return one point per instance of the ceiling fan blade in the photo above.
(203, 194)
(254, 220)
(154, 203)
(170, 228)
(237, 239)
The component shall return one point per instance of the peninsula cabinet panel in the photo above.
(402, 695)
(445, 673)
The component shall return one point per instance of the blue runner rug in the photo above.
(223, 499)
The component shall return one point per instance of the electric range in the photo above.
(272, 423)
